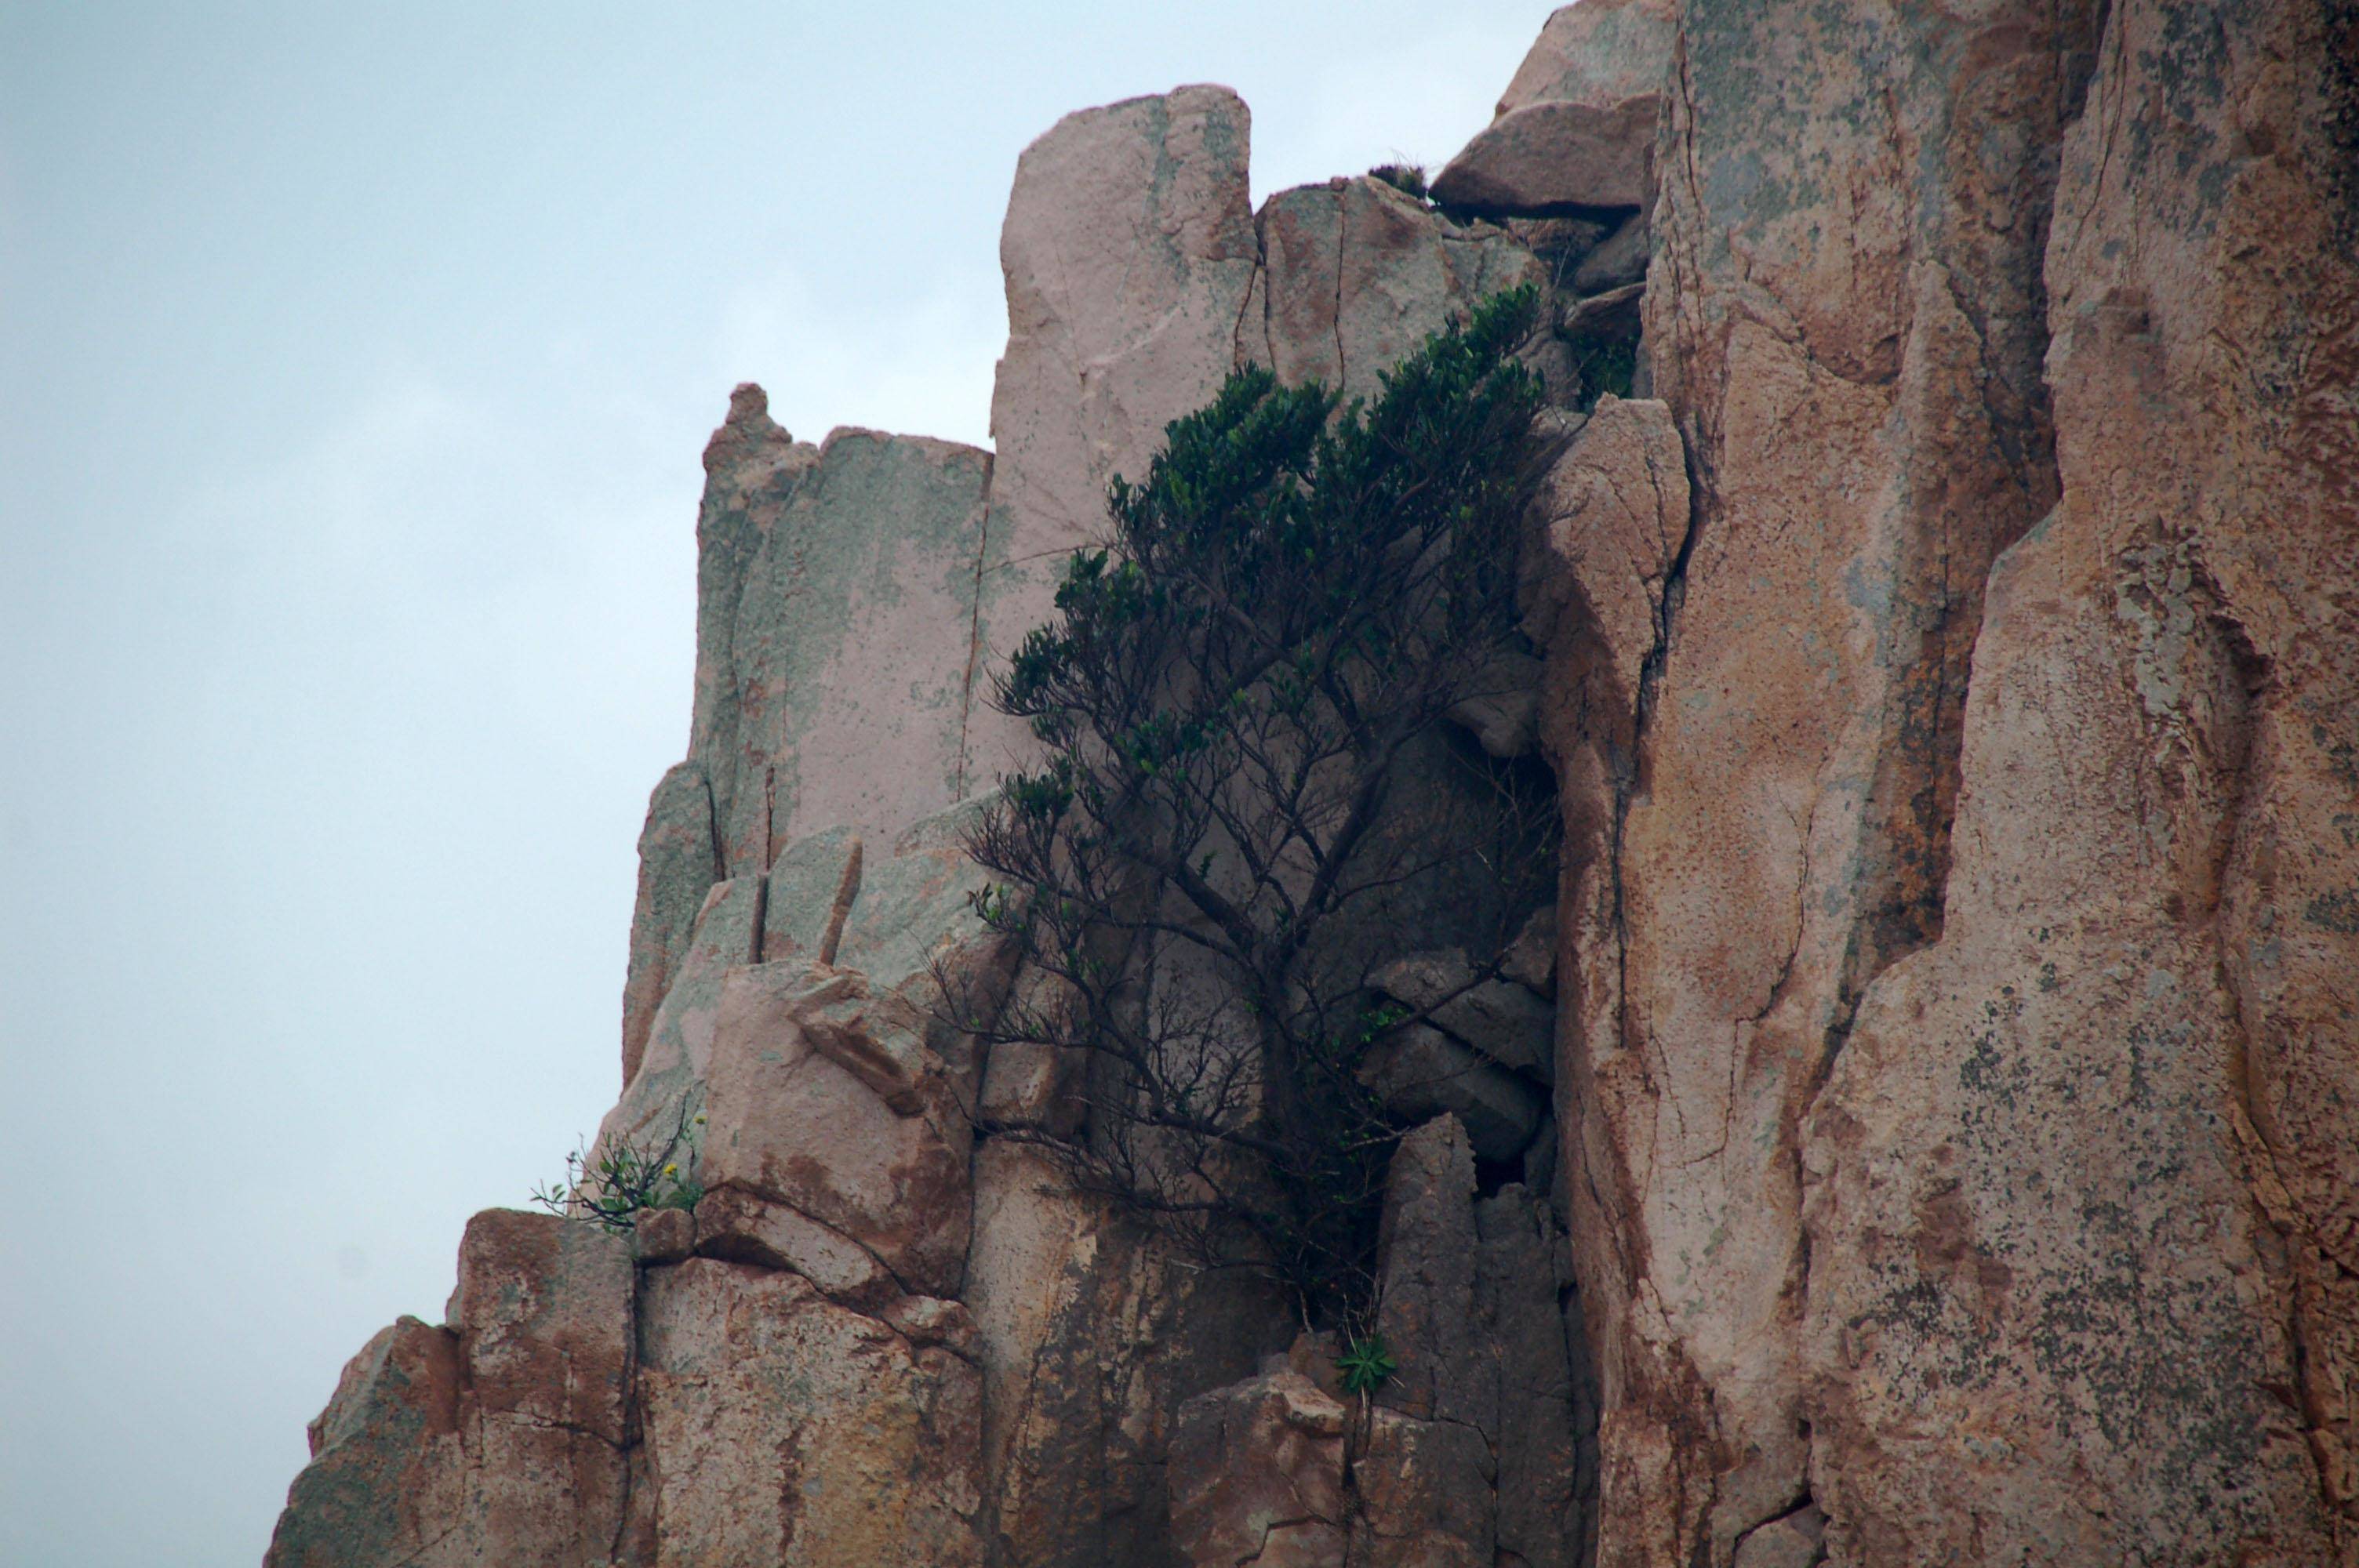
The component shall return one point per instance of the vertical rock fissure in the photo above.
(974, 631)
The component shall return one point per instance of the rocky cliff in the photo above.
(1926, 1129)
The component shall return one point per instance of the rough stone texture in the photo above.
(1090, 1341)
(680, 859)
(1476, 1443)
(781, 1428)
(1599, 52)
(853, 639)
(1576, 126)
(808, 896)
(1501, 1019)
(1257, 1475)
(1619, 260)
(1419, 1072)
(1424, 1489)
(1129, 251)
(1426, 1265)
(824, 1098)
(2038, 1235)
(1549, 157)
(1356, 275)
(739, 1227)
(2090, 1158)
(498, 1438)
(1608, 524)
(1955, 1104)
(1545, 1429)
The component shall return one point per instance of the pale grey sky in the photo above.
(355, 363)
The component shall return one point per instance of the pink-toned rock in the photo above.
(781, 1428)
(1503, 1020)
(663, 1235)
(1128, 251)
(1599, 52)
(737, 1226)
(824, 1098)
(1425, 1280)
(1257, 1475)
(1849, 348)
(1549, 157)
(1609, 520)
(1092, 1337)
(850, 658)
(680, 859)
(1576, 127)
(1419, 1072)
(388, 1470)
(499, 1438)
(1357, 275)
(2083, 1175)
(543, 1308)
(726, 933)
(1530, 960)
(1425, 1494)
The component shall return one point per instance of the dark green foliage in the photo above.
(1248, 791)
(1409, 179)
(1609, 364)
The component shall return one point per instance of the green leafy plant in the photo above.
(1605, 365)
(608, 1185)
(1367, 1364)
(1251, 795)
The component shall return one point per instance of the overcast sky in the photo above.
(355, 363)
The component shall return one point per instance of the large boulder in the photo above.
(1257, 1475)
(1356, 275)
(1128, 251)
(1092, 1337)
(823, 1096)
(1576, 127)
(783, 1428)
(497, 1438)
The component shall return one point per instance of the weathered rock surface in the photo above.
(1257, 1475)
(1092, 1339)
(1476, 1443)
(1949, 669)
(1501, 1019)
(498, 1438)
(1598, 53)
(2092, 1156)
(837, 598)
(826, 1100)
(1355, 275)
(1576, 127)
(1909, 1178)
(783, 1428)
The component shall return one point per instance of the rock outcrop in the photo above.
(1924, 1131)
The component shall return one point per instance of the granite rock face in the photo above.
(1925, 1129)
(1576, 127)
(1927, 888)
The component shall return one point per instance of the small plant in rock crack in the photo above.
(1605, 366)
(1409, 179)
(1367, 1364)
(608, 1187)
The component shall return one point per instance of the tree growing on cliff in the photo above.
(1252, 796)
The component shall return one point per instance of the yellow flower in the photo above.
(671, 1170)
